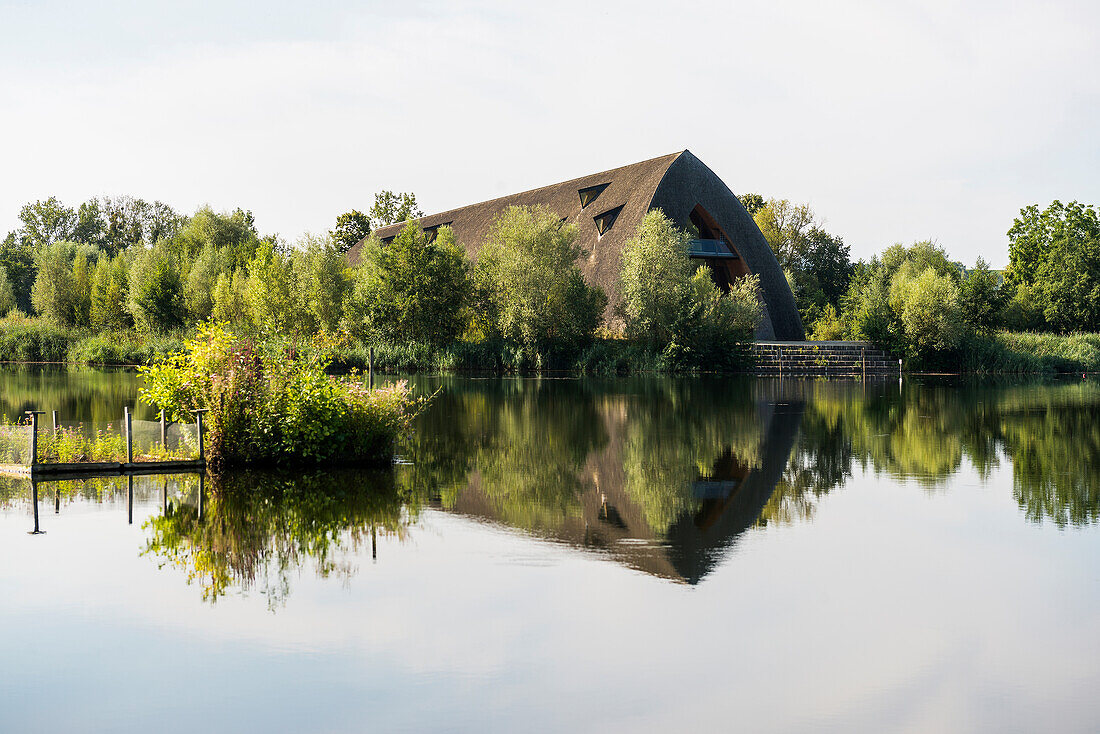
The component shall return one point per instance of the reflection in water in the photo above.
(662, 476)
(255, 528)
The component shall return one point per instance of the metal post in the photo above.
(163, 430)
(863, 356)
(129, 435)
(34, 503)
(198, 427)
(34, 434)
(780, 361)
(56, 424)
(370, 369)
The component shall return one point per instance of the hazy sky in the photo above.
(895, 121)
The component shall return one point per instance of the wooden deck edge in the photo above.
(101, 469)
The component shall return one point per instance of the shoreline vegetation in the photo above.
(33, 342)
(120, 282)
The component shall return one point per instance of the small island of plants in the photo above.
(271, 402)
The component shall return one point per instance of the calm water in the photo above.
(550, 555)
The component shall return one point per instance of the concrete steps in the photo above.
(825, 359)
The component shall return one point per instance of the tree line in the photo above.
(114, 265)
(918, 302)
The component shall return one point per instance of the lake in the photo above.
(637, 554)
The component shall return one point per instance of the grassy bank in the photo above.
(1008, 352)
(34, 340)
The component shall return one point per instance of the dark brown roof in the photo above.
(674, 182)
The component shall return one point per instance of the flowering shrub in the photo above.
(272, 401)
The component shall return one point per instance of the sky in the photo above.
(895, 122)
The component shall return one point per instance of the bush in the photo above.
(269, 402)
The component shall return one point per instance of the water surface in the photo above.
(637, 554)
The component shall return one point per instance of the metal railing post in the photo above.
(198, 428)
(34, 434)
(129, 435)
(163, 431)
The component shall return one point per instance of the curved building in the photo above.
(607, 208)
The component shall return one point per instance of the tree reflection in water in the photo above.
(250, 529)
(661, 475)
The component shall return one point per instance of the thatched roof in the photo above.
(675, 183)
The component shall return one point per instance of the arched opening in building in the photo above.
(715, 249)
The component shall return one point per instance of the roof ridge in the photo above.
(672, 156)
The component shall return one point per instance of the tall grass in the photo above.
(31, 340)
(1008, 352)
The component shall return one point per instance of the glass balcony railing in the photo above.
(710, 248)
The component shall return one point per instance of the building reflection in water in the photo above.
(661, 476)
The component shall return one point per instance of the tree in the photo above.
(535, 293)
(1054, 255)
(52, 295)
(818, 263)
(156, 291)
(413, 290)
(324, 279)
(981, 298)
(198, 292)
(110, 291)
(390, 208)
(7, 292)
(47, 222)
(17, 257)
(82, 289)
(274, 295)
(752, 202)
(230, 298)
(655, 279)
(927, 304)
(231, 233)
(351, 228)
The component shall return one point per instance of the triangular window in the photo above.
(605, 220)
(589, 194)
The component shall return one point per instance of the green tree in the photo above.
(752, 202)
(324, 279)
(230, 301)
(7, 292)
(110, 292)
(1055, 255)
(53, 292)
(156, 291)
(535, 293)
(390, 208)
(927, 304)
(198, 293)
(46, 222)
(274, 295)
(18, 258)
(351, 228)
(231, 233)
(818, 263)
(413, 290)
(655, 279)
(82, 289)
(981, 298)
